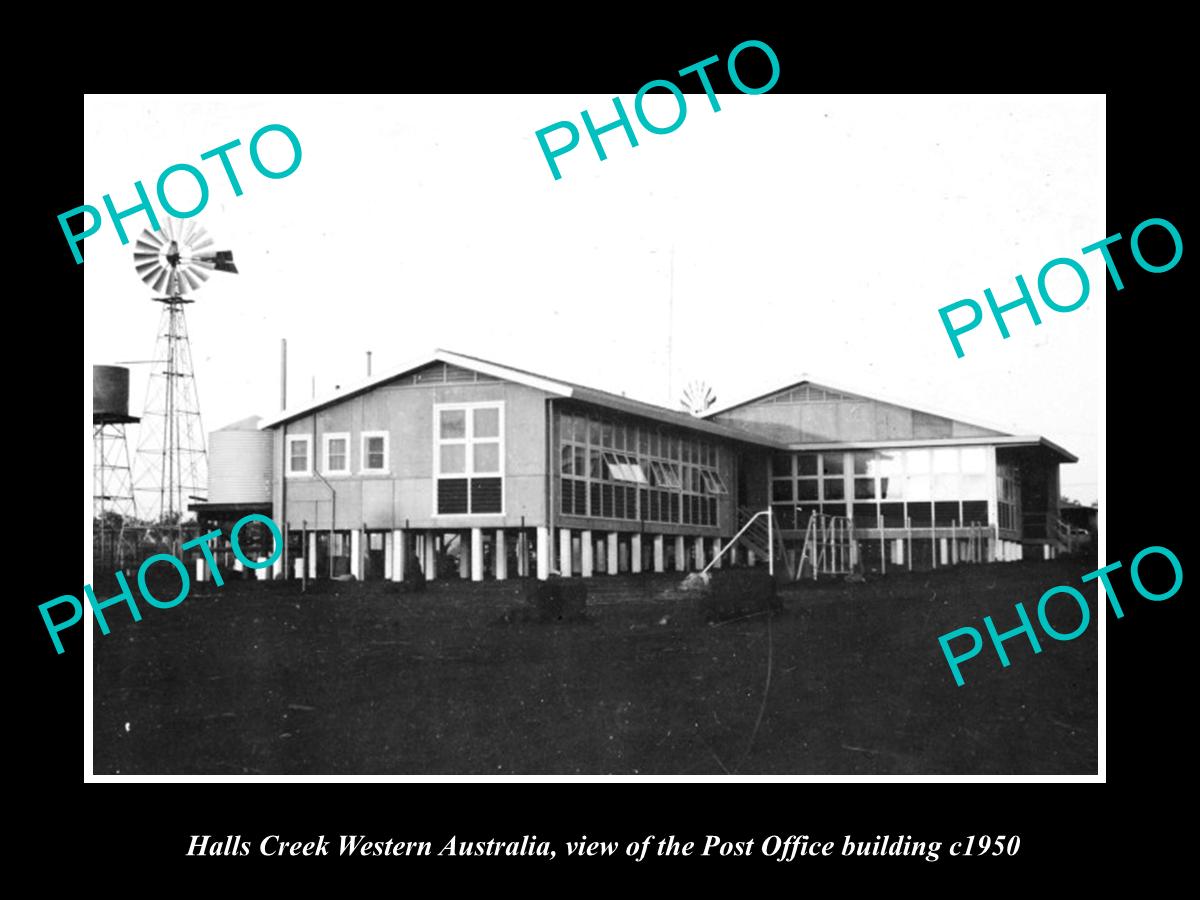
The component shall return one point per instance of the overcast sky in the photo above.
(812, 235)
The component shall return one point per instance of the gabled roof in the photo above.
(553, 386)
(999, 436)
(858, 394)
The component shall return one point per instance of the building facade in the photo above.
(920, 488)
(461, 467)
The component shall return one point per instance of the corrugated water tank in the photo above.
(239, 463)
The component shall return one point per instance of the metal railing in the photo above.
(733, 542)
(829, 546)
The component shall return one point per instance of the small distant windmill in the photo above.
(174, 261)
(698, 398)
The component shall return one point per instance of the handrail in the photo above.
(733, 541)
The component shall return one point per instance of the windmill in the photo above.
(173, 261)
(697, 398)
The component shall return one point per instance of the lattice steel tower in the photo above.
(171, 456)
(113, 506)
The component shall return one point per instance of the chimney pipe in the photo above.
(368, 363)
(282, 374)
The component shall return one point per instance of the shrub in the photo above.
(733, 593)
(414, 578)
(555, 600)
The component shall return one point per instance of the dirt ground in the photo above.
(257, 678)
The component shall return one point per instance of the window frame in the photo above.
(624, 467)
(306, 439)
(326, 438)
(714, 482)
(364, 455)
(467, 442)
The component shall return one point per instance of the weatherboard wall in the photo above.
(405, 494)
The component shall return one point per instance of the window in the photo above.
(468, 458)
(625, 468)
(299, 455)
(805, 483)
(1008, 497)
(665, 475)
(375, 451)
(713, 483)
(952, 479)
(612, 468)
(336, 454)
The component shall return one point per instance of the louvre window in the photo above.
(618, 470)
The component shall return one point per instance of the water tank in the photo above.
(239, 463)
(110, 391)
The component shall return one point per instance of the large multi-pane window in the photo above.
(927, 486)
(807, 483)
(469, 458)
(618, 470)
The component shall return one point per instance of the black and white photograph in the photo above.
(698, 434)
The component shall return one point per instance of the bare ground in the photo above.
(256, 677)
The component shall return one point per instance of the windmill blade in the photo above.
(143, 257)
(143, 268)
(160, 281)
(187, 276)
(201, 244)
(198, 273)
(152, 276)
(188, 228)
(151, 238)
(144, 247)
(170, 229)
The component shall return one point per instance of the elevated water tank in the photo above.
(239, 463)
(110, 392)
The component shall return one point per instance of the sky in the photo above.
(785, 236)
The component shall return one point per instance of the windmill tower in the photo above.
(113, 505)
(171, 458)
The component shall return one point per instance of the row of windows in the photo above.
(335, 454)
(614, 501)
(468, 457)
(923, 514)
(944, 473)
(640, 440)
(616, 470)
(926, 487)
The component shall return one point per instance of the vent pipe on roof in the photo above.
(368, 363)
(282, 374)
